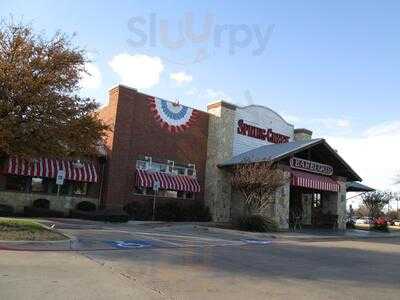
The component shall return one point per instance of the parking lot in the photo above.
(182, 261)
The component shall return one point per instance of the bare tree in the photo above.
(258, 183)
(362, 211)
(375, 202)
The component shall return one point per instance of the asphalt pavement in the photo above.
(187, 261)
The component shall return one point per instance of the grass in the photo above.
(26, 230)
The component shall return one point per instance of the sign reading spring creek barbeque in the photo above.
(310, 166)
(261, 133)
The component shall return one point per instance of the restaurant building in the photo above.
(190, 155)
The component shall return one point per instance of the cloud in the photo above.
(383, 129)
(181, 77)
(91, 79)
(138, 71)
(374, 155)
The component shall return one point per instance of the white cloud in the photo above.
(383, 129)
(374, 156)
(91, 79)
(181, 77)
(138, 71)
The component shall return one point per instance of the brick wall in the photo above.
(136, 133)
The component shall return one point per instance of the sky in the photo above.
(332, 67)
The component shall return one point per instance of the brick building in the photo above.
(189, 154)
(153, 140)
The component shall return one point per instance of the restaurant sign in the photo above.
(261, 133)
(310, 166)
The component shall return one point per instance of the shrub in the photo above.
(257, 223)
(380, 224)
(107, 215)
(30, 211)
(140, 210)
(41, 203)
(169, 210)
(6, 210)
(85, 206)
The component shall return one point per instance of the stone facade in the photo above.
(219, 148)
(278, 210)
(281, 205)
(18, 200)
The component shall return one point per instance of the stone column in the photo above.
(336, 204)
(281, 205)
(341, 206)
(219, 149)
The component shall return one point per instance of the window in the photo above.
(37, 185)
(139, 190)
(141, 165)
(166, 168)
(80, 188)
(163, 193)
(169, 194)
(159, 167)
(16, 183)
(191, 172)
(149, 191)
(180, 170)
(317, 200)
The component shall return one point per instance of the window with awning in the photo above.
(85, 171)
(314, 181)
(184, 183)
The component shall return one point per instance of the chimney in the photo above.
(302, 134)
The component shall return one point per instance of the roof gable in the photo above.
(278, 152)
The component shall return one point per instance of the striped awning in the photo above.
(45, 167)
(314, 181)
(167, 181)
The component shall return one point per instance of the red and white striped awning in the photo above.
(46, 167)
(314, 181)
(167, 181)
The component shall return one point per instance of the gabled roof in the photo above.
(354, 186)
(276, 152)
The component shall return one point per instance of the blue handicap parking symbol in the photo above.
(258, 242)
(130, 244)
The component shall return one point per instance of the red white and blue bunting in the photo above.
(172, 116)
